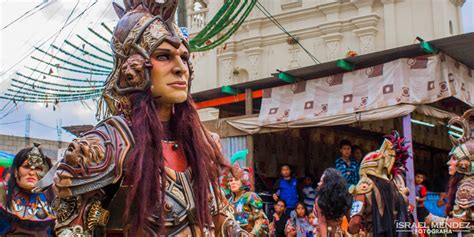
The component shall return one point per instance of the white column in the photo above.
(390, 23)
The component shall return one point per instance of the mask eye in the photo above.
(163, 57)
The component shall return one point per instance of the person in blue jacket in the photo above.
(286, 188)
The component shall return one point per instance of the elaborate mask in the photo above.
(379, 163)
(389, 160)
(143, 26)
(463, 150)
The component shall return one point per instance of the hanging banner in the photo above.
(420, 80)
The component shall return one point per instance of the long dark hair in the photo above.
(146, 174)
(452, 188)
(21, 157)
(333, 196)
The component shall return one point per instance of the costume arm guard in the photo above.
(91, 163)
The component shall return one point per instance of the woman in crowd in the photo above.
(248, 206)
(23, 213)
(298, 225)
(333, 201)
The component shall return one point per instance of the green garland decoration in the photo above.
(72, 64)
(44, 101)
(107, 28)
(100, 36)
(93, 46)
(217, 23)
(70, 69)
(47, 97)
(65, 78)
(35, 81)
(78, 58)
(87, 53)
(54, 89)
(27, 91)
(199, 43)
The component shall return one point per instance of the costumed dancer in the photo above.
(460, 206)
(152, 168)
(248, 206)
(332, 203)
(380, 197)
(23, 213)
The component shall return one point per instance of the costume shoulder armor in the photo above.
(465, 193)
(364, 186)
(95, 159)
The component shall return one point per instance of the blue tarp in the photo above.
(6, 155)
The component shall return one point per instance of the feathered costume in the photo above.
(380, 196)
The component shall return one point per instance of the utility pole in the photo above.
(27, 129)
(60, 131)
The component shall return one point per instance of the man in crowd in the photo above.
(346, 164)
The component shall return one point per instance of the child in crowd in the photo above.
(346, 164)
(298, 225)
(313, 220)
(286, 188)
(309, 193)
(420, 196)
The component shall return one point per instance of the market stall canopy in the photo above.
(381, 85)
(459, 47)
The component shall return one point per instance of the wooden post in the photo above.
(249, 138)
(410, 178)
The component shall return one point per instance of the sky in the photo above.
(52, 22)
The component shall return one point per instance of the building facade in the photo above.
(13, 144)
(327, 29)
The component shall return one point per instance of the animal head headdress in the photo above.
(463, 150)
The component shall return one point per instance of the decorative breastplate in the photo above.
(28, 212)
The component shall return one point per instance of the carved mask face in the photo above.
(170, 73)
(379, 163)
(464, 159)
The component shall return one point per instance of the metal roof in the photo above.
(459, 47)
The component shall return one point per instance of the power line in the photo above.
(56, 34)
(275, 21)
(42, 124)
(26, 13)
(19, 121)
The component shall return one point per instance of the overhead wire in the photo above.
(24, 15)
(275, 21)
(66, 23)
(62, 28)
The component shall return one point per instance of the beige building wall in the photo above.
(328, 29)
(13, 144)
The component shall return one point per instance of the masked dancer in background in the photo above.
(152, 168)
(248, 206)
(380, 196)
(23, 213)
(460, 206)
